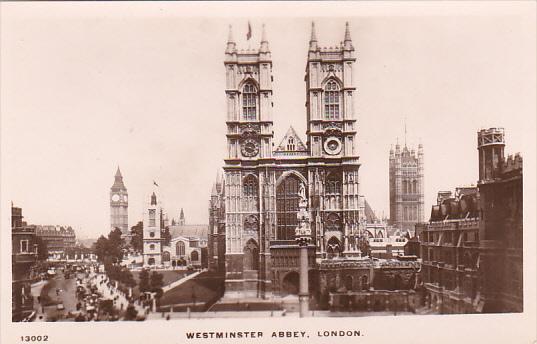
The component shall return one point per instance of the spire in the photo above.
(347, 42)
(264, 43)
(313, 39)
(231, 46)
(153, 199)
(118, 181)
(182, 215)
(118, 173)
(405, 131)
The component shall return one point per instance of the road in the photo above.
(66, 295)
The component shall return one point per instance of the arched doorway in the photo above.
(290, 283)
(251, 255)
(194, 256)
(151, 261)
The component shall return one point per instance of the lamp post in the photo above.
(303, 238)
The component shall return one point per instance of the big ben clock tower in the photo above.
(119, 205)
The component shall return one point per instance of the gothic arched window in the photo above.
(180, 248)
(331, 100)
(250, 191)
(333, 184)
(194, 256)
(287, 198)
(250, 186)
(291, 144)
(249, 102)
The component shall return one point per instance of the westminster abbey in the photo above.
(253, 207)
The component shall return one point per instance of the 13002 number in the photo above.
(34, 338)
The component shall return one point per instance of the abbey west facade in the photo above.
(253, 210)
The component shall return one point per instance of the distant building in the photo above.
(472, 246)
(406, 188)
(217, 229)
(23, 258)
(119, 205)
(58, 239)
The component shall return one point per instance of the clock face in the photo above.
(115, 197)
(125, 198)
(332, 145)
(250, 148)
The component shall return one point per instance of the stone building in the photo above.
(217, 228)
(119, 205)
(472, 246)
(406, 188)
(256, 207)
(58, 239)
(152, 240)
(450, 254)
(23, 258)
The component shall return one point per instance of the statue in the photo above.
(302, 192)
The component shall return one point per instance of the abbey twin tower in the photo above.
(254, 206)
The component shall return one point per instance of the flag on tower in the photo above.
(249, 33)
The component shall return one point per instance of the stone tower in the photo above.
(152, 241)
(119, 205)
(406, 188)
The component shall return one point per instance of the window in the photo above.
(152, 247)
(333, 184)
(152, 234)
(287, 199)
(331, 100)
(291, 144)
(249, 102)
(180, 248)
(193, 243)
(250, 186)
(24, 246)
(152, 215)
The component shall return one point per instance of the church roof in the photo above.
(370, 214)
(198, 231)
(299, 146)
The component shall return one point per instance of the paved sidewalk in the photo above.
(181, 281)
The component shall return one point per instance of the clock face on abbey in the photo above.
(250, 148)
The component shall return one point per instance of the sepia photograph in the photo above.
(241, 171)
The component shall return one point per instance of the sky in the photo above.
(88, 87)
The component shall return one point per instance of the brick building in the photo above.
(58, 239)
(23, 258)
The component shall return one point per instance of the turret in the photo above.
(264, 47)
(347, 43)
(231, 47)
(313, 38)
(490, 144)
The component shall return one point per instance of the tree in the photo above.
(101, 248)
(143, 284)
(137, 233)
(115, 244)
(157, 282)
(130, 313)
